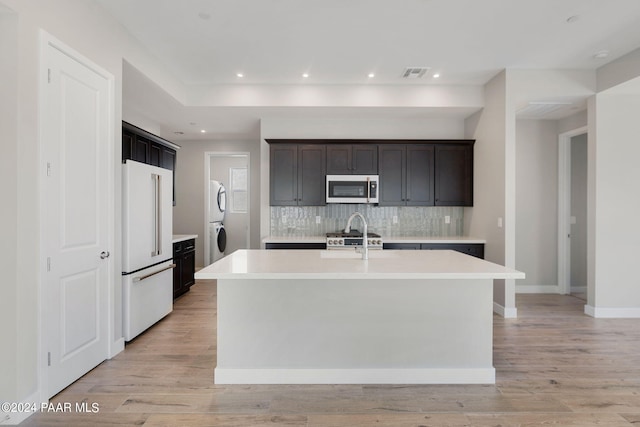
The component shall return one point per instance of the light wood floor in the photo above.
(555, 366)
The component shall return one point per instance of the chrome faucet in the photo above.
(347, 229)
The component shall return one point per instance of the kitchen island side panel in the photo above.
(355, 331)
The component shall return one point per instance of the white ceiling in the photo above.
(339, 42)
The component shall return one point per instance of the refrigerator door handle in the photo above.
(157, 215)
(159, 208)
(141, 278)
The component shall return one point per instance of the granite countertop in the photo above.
(323, 264)
(182, 237)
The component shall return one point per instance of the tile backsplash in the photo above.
(411, 221)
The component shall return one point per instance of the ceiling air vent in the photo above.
(541, 109)
(414, 72)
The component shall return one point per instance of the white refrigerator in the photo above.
(147, 263)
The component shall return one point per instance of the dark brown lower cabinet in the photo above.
(184, 257)
(474, 249)
(297, 245)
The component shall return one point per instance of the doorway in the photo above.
(572, 213)
(231, 169)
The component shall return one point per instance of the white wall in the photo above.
(82, 26)
(579, 212)
(537, 204)
(188, 214)
(431, 128)
(9, 197)
(489, 128)
(614, 288)
(573, 122)
(619, 71)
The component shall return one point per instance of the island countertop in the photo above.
(387, 239)
(346, 264)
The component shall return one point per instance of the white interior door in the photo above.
(75, 141)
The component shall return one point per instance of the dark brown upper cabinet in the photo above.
(454, 175)
(412, 172)
(297, 175)
(352, 159)
(406, 175)
(145, 147)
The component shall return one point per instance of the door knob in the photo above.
(104, 254)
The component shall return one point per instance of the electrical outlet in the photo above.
(447, 219)
(318, 219)
(395, 219)
(500, 222)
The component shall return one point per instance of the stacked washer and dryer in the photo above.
(217, 233)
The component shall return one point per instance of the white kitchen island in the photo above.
(328, 317)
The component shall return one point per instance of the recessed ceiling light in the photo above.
(240, 75)
(305, 75)
(601, 54)
(572, 19)
(371, 75)
(203, 131)
(179, 132)
(436, 75)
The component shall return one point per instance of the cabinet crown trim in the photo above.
(149, 135)
(368, 141)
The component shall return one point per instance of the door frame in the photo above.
(208, 155)
(115, 344)
(564, 208)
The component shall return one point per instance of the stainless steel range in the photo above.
(342, 240)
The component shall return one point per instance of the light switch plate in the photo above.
(447, 219)
(500, 222)
(318, 219)
(284, 219)
(395, 219)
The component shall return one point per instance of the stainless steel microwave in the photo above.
(352, 188)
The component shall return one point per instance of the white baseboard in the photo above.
(507, 313)
(116, 347)
(612, 312)
(538, 289)
(15, 418)
(355, 376)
